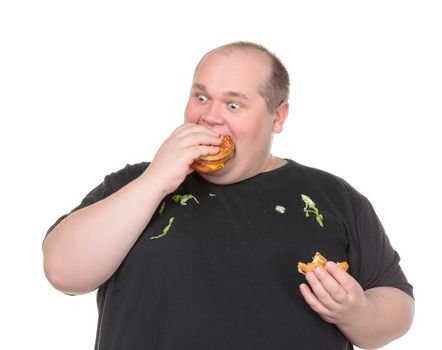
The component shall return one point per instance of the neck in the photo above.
(273, 163)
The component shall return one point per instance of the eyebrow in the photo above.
(203, 88)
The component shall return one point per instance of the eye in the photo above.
(202, 98)
(234, 106)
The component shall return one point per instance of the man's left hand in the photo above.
(335, 295)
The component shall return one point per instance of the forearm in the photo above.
(86, 248)
(387, 314)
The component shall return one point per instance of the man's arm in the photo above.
(87, 247)
(368, 319)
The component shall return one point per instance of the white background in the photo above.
(88, 86)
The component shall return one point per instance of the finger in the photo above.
(182, 143)
(312, 300)
(315, 280)
(206, 126)
(343, 278)
(200, 151)
(181, 128)
(195, 136)
(199, 138)
(191, 127)
(331, 285)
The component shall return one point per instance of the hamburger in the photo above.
(211, 163)
(318, 261)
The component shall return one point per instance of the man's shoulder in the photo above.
(136, 169)
(327, 183)
(318, 175)
(131, 171)
(117, 179)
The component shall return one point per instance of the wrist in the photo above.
(154, 184)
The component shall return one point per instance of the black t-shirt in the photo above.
(222, 274)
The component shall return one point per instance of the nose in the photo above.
(213, 115)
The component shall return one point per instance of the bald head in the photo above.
(275, 88)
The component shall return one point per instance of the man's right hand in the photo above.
(171, 163)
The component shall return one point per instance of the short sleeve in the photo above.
(373, 260)
(111, 184)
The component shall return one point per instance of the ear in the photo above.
(280, 115)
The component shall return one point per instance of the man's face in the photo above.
(224, 97)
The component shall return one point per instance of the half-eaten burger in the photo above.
(211, 163)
